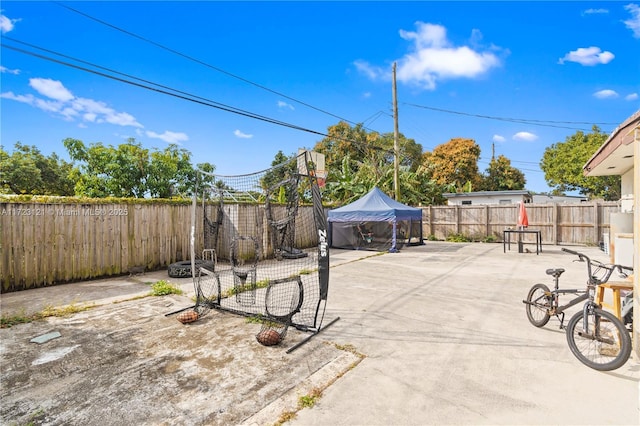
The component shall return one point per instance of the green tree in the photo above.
(283, 167)
(129, 170)
(501, 176)
(562, 165)
(454, 163)
(28, 171)
(346, 185)
(369, 156)
(171, 173)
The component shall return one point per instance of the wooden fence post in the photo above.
(487, 228)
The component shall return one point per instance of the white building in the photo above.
(620, 155)
(550, 199)
(482, 198)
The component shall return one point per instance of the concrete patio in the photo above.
(436, 334)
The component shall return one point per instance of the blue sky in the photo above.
(515, 76)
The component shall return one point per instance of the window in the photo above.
(466, 203)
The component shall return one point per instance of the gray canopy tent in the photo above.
(375, 222)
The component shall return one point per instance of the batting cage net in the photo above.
(259, 247)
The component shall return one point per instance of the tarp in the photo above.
(375, 222)
(375, 206)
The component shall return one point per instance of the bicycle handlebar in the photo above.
(609, 268)
(580, 255)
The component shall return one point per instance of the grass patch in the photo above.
(260, 319)
(285, 417)
(457, 238)
(309, 400)
(7, 321)
(163, 288)
(245, 287)
(490, 239)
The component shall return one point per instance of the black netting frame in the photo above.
(264, 228)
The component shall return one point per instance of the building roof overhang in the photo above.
(615, 156)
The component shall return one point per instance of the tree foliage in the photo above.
(129, 170)
(501, 176)
(28, 171)
(454, 163)
(363, 147)
(282, 168)
(357, 160)
(562, 165)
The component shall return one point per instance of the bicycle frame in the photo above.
(592, 283)
(556, 309)
(596, 337)
(581, 298)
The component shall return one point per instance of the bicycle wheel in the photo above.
(537, 305)
(605, 346)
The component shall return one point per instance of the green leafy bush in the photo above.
(162, 288)
(457, 238)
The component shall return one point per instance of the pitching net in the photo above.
(264, 236)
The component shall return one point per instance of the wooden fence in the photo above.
(44, 244)
(582, 223)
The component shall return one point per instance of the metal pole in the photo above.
(396, 150)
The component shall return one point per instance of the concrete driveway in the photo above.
(436, 334)
(447, 341)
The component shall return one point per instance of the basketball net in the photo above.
(322, 178)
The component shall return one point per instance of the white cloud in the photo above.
(283, 105)
(6, 70)
(99, 112)
(524, 136)
(631, 97)
(633, 23)
(60, 101)
(51, 89)
(6, 24)
(122, 119)
(25, 99)
(588, 56)
(169, 137)
(498, 138)
(595, 11)
(241, 135)
(433, 58)
(606, 94)
(371, 71)
(49, 106)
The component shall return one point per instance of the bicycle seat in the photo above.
(555, 272)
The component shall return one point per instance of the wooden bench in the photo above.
(615, 287)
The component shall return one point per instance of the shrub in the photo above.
(162, 288)
(457, 238)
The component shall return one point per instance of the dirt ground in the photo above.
(129, 363)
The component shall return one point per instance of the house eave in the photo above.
(615, 156)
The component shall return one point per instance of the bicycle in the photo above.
(542, 303)
(596, 337)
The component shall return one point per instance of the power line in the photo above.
(163, 89)
(146, 84)
(545, 123)
(191, 58)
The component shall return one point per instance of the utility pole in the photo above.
(396, 150)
